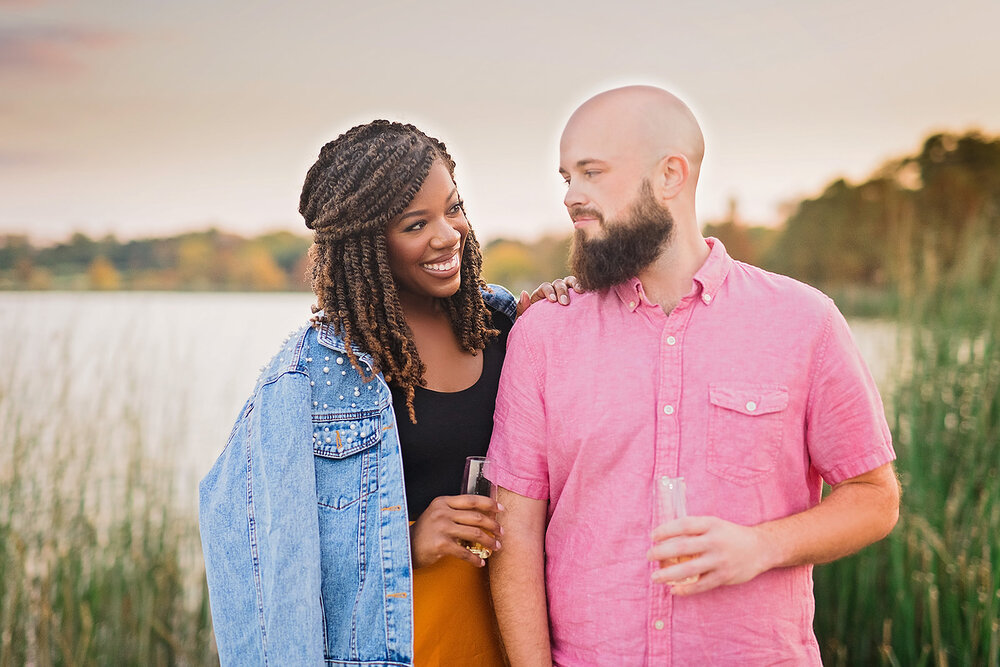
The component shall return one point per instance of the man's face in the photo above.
(603, 165)
(623, 247)
(620, 227)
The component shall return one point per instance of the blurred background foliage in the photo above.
(856, 241)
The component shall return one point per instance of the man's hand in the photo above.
(721, 553)
(858, 511)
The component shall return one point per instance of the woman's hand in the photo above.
(557, 290)
(447, 520)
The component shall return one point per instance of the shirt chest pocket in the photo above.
(345, 448)
(745, 430)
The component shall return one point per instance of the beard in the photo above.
(628, 245)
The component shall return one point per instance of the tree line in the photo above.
(909, 225)
(207, 260)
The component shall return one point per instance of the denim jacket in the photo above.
(303, 516)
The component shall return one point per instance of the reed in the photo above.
(930, 593)
(97, 566)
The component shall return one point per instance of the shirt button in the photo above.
(707, 298)
(658, 624)
(668, 409)
(671, 340)
(751, 406)
(631, 304)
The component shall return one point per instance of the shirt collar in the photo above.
(630, 292)
(708, 279)
(713, 272)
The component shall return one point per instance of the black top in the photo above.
(450, 426)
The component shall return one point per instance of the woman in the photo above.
(305, 517)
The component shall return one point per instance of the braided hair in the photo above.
(362, 180)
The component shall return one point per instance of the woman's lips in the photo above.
(441, 267)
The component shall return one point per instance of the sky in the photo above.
(148, 118)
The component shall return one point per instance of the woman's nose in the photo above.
(445, 235)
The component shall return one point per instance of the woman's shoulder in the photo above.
(498, 298)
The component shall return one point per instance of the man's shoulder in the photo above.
(547, 316)
(792, 294)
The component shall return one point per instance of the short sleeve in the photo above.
(517, 451)
(846, 429)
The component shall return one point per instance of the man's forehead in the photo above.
(581, 145)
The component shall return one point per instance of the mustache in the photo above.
(578, 211)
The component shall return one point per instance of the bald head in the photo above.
(644, 122)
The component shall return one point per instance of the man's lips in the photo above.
(582, 216)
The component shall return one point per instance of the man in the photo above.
(679, 361)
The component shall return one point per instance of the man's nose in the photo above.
(574, 196)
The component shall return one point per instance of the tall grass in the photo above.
(97, 566)
(930, 593)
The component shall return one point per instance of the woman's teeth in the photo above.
(443, 266)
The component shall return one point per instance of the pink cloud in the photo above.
(53, 50)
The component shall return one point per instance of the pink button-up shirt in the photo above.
(752, 389)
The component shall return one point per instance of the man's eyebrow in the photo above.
(423, 211)
(585, 162)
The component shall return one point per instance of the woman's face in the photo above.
(426, 240)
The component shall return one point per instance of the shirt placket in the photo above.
(666, 463)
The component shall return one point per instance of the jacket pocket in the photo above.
(745, 427)
(346, 456)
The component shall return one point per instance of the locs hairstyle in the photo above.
(362, 180)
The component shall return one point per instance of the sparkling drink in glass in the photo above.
(474, 482)
(671, 493)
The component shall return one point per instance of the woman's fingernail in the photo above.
(552, 297)
(501, 507)
(498, 545)
(564, 299)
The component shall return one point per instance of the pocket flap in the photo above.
(337, 436)
(749, 399)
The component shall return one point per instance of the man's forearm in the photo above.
(517, 581)
(857, 512)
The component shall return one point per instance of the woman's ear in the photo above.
(671, 176)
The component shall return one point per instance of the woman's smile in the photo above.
(449, 264)
(426, 241)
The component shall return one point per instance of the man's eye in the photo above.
(590, 173)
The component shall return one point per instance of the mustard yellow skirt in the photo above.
(453, 617)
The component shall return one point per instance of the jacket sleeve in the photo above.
(500, 298)
(260, 531)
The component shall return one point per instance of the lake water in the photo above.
(174, 367)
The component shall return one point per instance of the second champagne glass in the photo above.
(474, 482)
(671, 493)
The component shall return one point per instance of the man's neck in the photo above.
(669, 278)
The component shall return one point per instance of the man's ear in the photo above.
(671, 175)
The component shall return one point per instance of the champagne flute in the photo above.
(474, 482)
(671, 492)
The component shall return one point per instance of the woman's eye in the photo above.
(416, 226)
